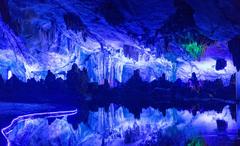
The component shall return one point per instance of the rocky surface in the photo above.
(112, 38)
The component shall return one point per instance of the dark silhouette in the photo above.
(135, 94)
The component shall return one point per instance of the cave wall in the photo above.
(52, 35)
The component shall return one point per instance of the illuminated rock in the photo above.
(44, 37)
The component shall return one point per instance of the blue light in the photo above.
(6, 130)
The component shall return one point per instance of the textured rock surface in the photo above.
(112, 38)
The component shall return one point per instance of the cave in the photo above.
(119, 73)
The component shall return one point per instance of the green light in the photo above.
(194, 49)
(196, 142)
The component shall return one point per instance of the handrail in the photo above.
(6, 130)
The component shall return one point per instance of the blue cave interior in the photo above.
(119, 72)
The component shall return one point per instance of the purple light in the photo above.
(6, 130)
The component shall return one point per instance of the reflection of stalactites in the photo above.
(113, 124)
(111, 116)
(101, 120)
